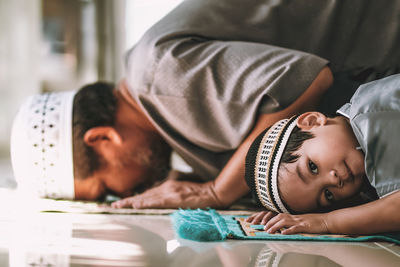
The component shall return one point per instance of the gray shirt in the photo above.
(206, 70)
(374, 113)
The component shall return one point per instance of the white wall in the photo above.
(19, 60)
(142, 14)
(26, 68)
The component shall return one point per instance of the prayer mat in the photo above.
(87, 207)
(209, 225)
(90, 207)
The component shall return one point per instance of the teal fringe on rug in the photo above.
(209, 225)
(200, 225)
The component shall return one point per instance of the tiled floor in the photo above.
(31, 238)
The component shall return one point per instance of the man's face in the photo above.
(329, 168)
(123, 169)
(128, 171)
(131, 153)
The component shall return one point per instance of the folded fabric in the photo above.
(209, 225)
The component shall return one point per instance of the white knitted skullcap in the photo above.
(41, 146)
(263, 160)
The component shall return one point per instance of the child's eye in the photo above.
(328, 195)
(313, 168)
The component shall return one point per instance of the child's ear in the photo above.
(309, 120)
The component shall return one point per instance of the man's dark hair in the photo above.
(94, 105)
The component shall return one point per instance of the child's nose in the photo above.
(335, 179)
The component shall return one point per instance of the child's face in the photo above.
(329, 168)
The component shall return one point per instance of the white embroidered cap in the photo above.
(262, 164)
(41, 146)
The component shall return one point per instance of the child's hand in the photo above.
(261, 217)
(293, 224)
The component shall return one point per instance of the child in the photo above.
(312, 163)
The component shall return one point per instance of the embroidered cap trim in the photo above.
(41, 146)
(267, 162)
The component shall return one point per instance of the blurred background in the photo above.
(54, 45)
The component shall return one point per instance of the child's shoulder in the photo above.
(374, 113)
(382, 95)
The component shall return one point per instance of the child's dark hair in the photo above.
(296, 140)
(289, 155)
(367, 192)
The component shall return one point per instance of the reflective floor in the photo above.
(38, 239)
(67, 239)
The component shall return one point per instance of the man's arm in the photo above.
(230, 184)
(378, 216)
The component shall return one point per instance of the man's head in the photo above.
(115, 149)
(92, 140)
(316, 166)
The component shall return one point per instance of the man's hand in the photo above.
(290, 224)
(173, 194)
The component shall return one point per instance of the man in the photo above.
(211, 75)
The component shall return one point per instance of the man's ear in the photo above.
(96, 136)
(309, 120)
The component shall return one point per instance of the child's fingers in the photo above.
(275, 227)
(271, 222)
(278, 222)
(267, 217)
(257, 217)
(251, 217)
(260, 217)
(292, 224)
(292, 230)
